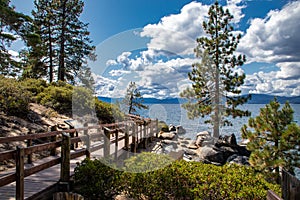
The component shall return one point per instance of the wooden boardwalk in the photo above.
(47, 178)
(44, 179)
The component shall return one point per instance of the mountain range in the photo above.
(255, 99)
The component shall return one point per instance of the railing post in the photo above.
(65, 158)
(53, 139)
(106, 142)
(145, 134)
(20, 174)
(29, 144)
(116, 144)
(151, 131)
(134, 132)
(87, 141)
(126, 137)
(156, 128)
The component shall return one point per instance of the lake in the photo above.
(174, 114)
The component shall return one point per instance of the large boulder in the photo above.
(180, 130)
(166, 135)
(204, 139)
(212, 155)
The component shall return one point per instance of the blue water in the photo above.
(174, 114)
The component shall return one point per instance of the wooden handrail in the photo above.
(65, 143)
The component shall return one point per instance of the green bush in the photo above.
(14, 98)
(194, 180)
(34, 86)
(177, 180)
(57, 96)
(107, 113)
(96, 179)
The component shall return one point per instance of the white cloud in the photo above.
(177, 33)
(235, 9)
(118, 72)
(289, 70)
(111, 62)
(271, 83)
(274, 38)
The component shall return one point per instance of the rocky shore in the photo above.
(204, 147)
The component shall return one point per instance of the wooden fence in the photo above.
(290, 186)
(139, 130)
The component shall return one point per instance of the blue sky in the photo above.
(151, 42)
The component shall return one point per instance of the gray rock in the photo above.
(172, 128)
(212, 155)
(241, 160)
(180, 130)
(166, 135)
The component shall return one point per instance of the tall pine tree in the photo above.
(66, 38)
(215, 81)
(273, 139)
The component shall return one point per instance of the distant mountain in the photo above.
(265, 99)
(255, 99)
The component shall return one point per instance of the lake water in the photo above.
(174, 114)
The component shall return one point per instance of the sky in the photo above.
(151, 42)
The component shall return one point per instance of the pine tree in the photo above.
(133, 99)
(13, 25)
(273, 139)
(66, 38)
(215, 88)
(45, 19)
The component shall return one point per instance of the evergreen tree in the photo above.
(13, 25)
(273, 139)
(215, 89)
(66, 38)
(133, 99)
(45, 15)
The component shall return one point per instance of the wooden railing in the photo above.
(140, 130)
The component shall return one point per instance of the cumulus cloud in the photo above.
(274, 38)
(271, 83)
(177, 33)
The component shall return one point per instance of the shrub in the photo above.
(97, 180)
(107, 113)
(194, 180)
(57, 96)
(177, 180)
(34, 86)
(14, 98)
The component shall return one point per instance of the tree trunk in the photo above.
(217, 85)
(61, 67)
(50, 55)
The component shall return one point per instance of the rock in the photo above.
(172, 128)
(190, 152)
(212, 155)
(180, 130)
(204, 139)
(166, 135)
(192, 146)
(203, 133)
(241, 160)
(227, 139)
